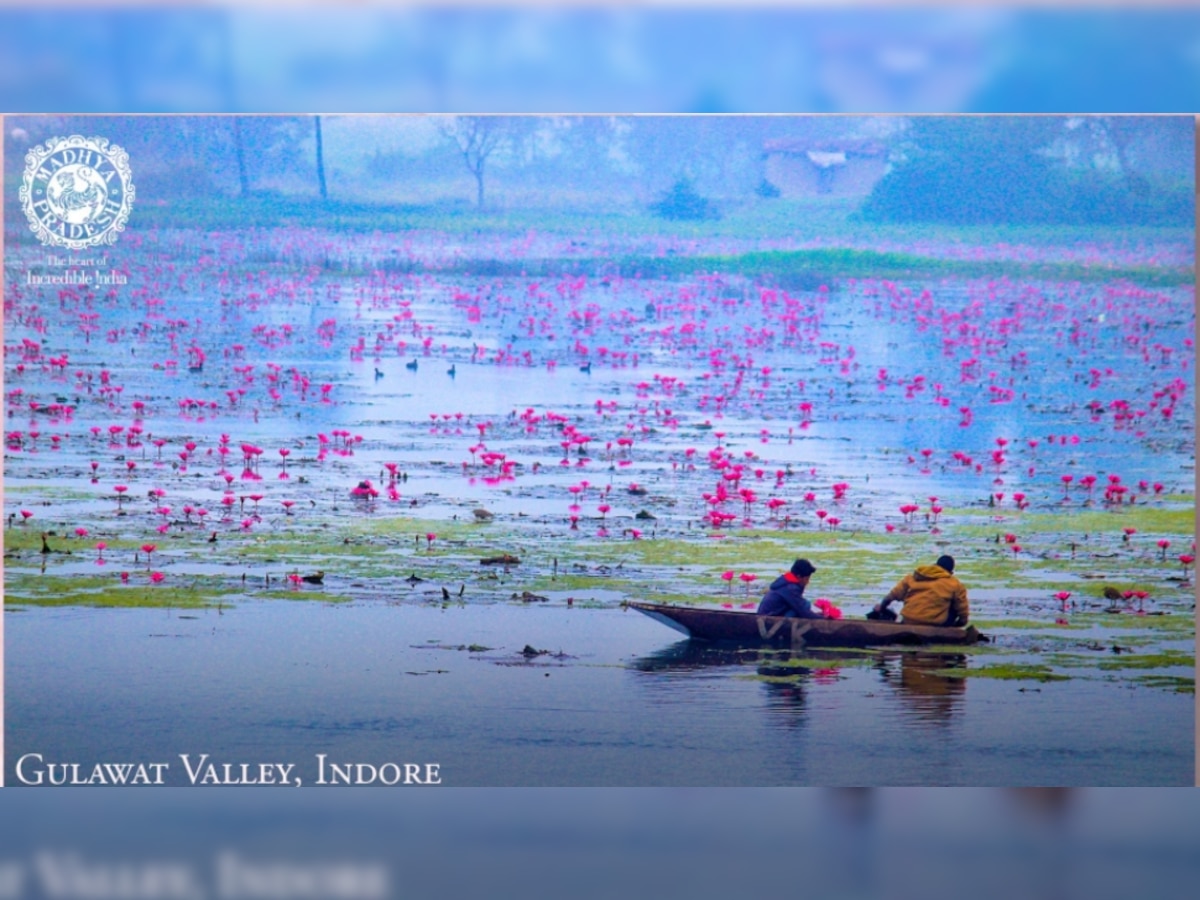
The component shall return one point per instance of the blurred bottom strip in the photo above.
(583, 843)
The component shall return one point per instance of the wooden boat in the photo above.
(748, 628)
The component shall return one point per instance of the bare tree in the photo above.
(321, 162)
(477, 138)
(239, 146)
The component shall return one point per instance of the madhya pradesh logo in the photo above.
(77, 191)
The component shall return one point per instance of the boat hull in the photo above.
(749, 628)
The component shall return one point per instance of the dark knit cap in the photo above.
(802, 567)
(946, 562)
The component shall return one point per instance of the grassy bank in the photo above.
(828, 222)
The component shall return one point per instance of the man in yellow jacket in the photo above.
(931, 596)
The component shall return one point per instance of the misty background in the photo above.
(1074, 170)
(217, 58)
(810, 57)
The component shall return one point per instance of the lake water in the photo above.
(967, 390)
(617, 701)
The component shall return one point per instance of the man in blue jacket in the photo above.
(785, 597)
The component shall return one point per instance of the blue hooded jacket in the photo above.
(786, 598)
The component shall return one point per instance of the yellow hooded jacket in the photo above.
(931, 596)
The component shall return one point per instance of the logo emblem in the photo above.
(77, 192)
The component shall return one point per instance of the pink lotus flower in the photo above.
(157, 577)
(827, 608)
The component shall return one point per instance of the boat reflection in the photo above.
(784, 673)
(917, 678)
(785, 677)
(691, 655)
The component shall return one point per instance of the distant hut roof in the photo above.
(825, 154)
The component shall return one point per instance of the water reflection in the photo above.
(785, 681)
(927, 695)
(771, 662)
(790, 677)
(690, 656)
(784, 673)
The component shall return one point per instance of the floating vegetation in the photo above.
(97, 591)
(470, 648)
(980, 649)
(1177, 683)
(381, 408)
(1014, 672)
(806, 662)
(1165, 659)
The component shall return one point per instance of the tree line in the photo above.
(961, 170)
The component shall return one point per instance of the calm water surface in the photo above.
(888, 370)
(617, 701)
